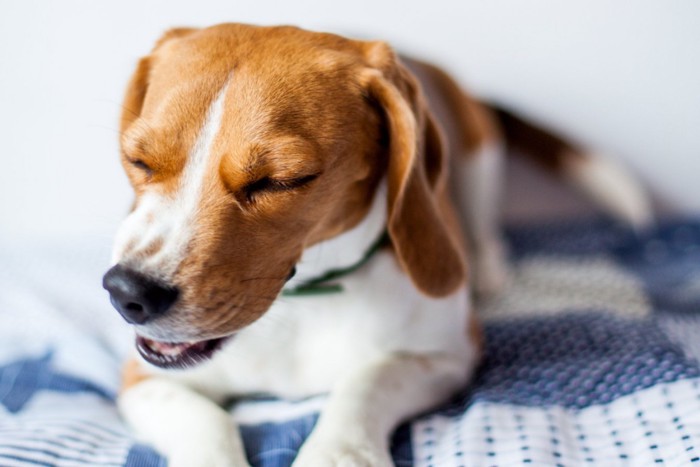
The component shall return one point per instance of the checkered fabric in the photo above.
(591, 359)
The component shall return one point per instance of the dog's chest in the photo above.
(303, 345)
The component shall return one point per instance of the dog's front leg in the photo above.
(189, 429)
(365, 408)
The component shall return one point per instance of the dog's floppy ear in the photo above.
(421, 223)
(138, 84)
(135, 94)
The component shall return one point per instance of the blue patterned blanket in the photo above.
(591, 359)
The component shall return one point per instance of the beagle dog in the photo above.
(304, 205)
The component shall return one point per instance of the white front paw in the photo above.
(341, 454)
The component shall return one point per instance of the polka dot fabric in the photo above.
(655, 426)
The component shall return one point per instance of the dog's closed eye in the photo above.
(265, 185)
(141, 165)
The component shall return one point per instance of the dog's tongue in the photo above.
(169, 349)
(177, 354)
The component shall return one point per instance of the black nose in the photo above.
(136, 297)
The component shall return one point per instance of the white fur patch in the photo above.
(613, 187)
(169, 219)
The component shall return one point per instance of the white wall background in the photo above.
(623, 77)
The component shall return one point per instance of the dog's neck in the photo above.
(347, 249)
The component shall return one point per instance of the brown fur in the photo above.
(546, 149)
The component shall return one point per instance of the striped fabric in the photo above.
(591, 359)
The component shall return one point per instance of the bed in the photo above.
(591, 359)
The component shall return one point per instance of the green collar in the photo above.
(321, 285)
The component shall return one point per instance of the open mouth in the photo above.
(177, 354)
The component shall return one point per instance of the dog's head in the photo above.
(245, 146)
